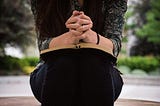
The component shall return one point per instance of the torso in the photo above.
(114, 20)
(80, 2)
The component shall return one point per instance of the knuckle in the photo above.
(66, 23)
(72, 31)
(83, 36)
(80, 33)
(81, 21)
(90, 26)
(68, 26)
(76, 25)
(84, 28)
(79, 29)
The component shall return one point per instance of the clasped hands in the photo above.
(79, 26)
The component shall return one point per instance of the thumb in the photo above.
(75, 13)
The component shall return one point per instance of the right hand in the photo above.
(78, 24)
(73, 35)
(69, 37)
(65, 39)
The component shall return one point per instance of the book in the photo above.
(78, 46)
(69, 48)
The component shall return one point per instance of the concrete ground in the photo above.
(31, 101)
(137, 91)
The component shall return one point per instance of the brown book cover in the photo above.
(87, 46)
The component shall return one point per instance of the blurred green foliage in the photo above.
(10, 64)
(129, 65)
(147, 64)
(143, 21)
(30, 61)
(151, 29)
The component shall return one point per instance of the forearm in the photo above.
(50, 42)
(43, 43)
(62, 40)
(114, 22)
(105, 41)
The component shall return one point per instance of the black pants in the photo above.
(80, 78)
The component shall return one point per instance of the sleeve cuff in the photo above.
(45, 44)
(115, 47)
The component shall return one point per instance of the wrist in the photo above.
(95, 38)
(58, 41)
(98, 39)
(52, 43)
(90, 37)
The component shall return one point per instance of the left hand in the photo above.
(84, 29)
(89, 36)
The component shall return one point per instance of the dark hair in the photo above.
(52, 15)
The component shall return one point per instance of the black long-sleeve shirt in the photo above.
(114, 20)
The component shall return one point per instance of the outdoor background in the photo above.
(140, 54)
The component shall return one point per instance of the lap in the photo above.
(84, 76)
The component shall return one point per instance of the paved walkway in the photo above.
(141, 88)
(135, 88)
(30, 101)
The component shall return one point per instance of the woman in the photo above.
(85, 76)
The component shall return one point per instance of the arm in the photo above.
(49, 42)
(114, 21)
(43, 43)
(68, 38)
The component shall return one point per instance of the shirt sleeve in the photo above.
(114, 20)
(43, 43)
